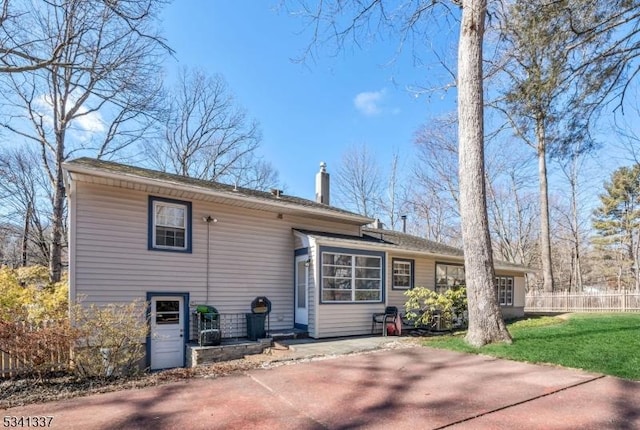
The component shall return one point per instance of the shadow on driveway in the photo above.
(412, 388)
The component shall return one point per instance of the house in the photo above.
(178, 242)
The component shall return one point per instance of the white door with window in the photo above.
(301, 290)
(167, 332)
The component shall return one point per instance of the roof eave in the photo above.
(80, 169)
(393, 247)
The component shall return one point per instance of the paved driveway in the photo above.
(410, 388)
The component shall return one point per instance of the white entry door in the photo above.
(301, 291)
(167, 332)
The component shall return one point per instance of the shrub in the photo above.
(27, 296)
(423, 304)
(111, 338)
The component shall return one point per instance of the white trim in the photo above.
(185, 226)
(409, 264)
(353, 278)
(71, 251)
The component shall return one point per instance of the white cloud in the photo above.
(90, 122)
(368, 102)
(84, 125)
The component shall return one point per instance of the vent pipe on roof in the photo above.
(322, 184)
(404, 223)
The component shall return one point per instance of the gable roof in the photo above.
(276, 201)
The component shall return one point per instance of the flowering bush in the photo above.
(424, 304)
(27, 296)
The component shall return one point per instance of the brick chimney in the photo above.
(322, 184)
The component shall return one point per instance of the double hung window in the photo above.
(170, 225)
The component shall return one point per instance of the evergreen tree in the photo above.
(617, 220)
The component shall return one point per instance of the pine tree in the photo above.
(617, 220)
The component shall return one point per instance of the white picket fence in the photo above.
(610, 301)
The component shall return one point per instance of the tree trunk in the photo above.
(25, 235)
(485, 318)
(57, 217)
(545, 235)
(575, 225)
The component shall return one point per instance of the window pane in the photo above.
(336, 295)
(168, 318)
(401, 281)
(336, 283)
(441, 274)
(336, 259)
(170, 216)
(368, 273)
(369, 284)
(367, 261)
(401, 268)
(167, 306)
(362, 295)
(301, 280)
(167, 312)
(336, 271)
(166, 236)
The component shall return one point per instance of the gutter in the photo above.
(75, 168)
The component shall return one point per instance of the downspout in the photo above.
(208, 219)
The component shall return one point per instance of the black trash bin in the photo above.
(260, 309)
(255, 326)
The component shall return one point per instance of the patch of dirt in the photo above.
(23, 391)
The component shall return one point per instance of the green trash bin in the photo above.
(255, 326)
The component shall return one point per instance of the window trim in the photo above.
(412, 264)
(513, 289)
(355, 253)
(151, 240)
(435, 273)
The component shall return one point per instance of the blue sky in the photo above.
(308, 112)
(313, 112)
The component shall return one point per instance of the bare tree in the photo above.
(435, 194)
(95, 99)
(21, 51)
(395, 203)
(207, 135)
(359, 181)
(367, 18)
(25, 51)
(23, 193)
(513, 213)
(250, 171)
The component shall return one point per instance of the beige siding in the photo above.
(345, 319)
(251, 253)
(518, 293)
(424, 273)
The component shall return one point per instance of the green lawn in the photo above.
(602, 343)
